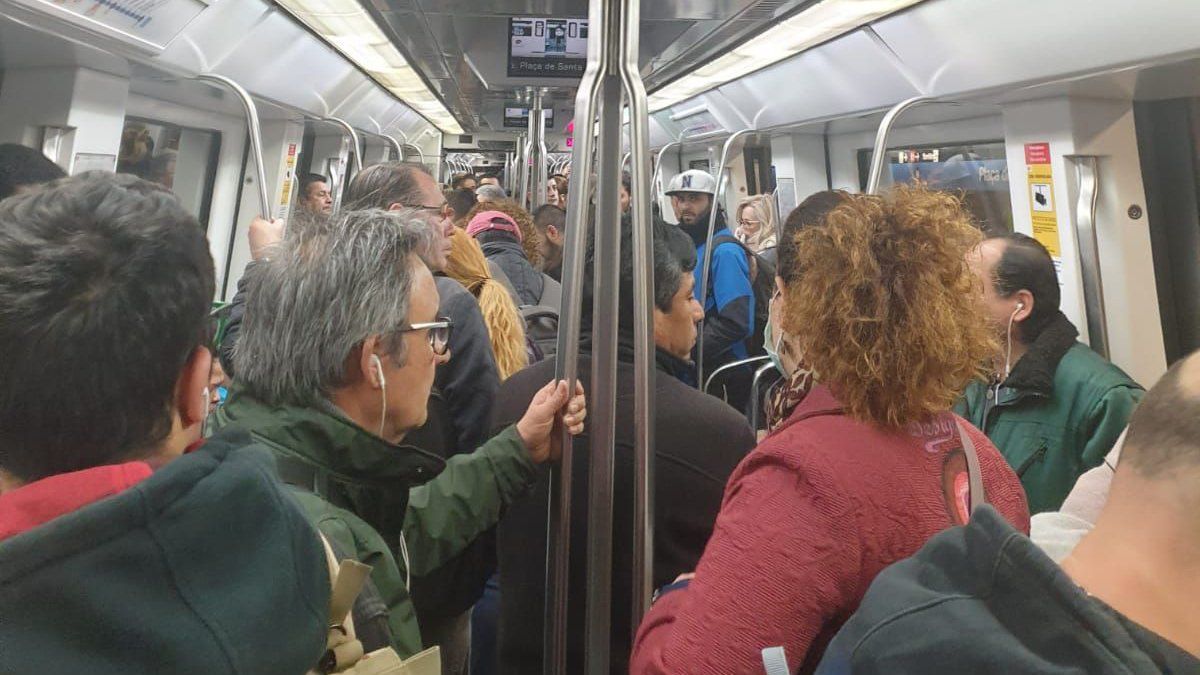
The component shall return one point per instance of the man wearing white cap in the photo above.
(729, 306)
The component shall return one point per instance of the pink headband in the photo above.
(493, 220)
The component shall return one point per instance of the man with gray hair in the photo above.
(335, 364)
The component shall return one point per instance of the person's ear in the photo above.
(190, 398)
(395, 206)
(368, 356)
(1024, 307)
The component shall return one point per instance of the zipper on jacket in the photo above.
(1041, 452)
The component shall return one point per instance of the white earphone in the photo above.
(382, 392)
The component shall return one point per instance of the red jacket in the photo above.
(808, 519)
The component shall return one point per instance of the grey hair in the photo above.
(491, 193)
(381, 185)
(322, 293)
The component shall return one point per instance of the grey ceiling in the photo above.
(460, 46)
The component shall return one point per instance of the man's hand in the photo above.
(549, 412)
(263, 235)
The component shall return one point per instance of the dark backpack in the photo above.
(541, 321)
(762, 282)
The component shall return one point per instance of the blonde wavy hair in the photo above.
(763, 209)
(506, 329)
(531, 240)
(884, 306)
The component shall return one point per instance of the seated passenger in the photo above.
(698, 442)
(984, 599)
(335, 365)
(1053, 407)
(22, 167)
(869, 465)
(126, 545)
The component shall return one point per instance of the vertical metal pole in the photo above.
(879, 153)
(537, 143)
(643, 284)
(706, 271)
(1087, 170)
(567, 359)
(523, 171)
(255, 132)
(356, 145)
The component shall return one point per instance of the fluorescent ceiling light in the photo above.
(821, 22)
(354, 33)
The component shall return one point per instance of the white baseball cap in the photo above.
(694, 180)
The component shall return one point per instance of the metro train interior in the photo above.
(1076, 122)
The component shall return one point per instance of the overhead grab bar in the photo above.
(255, 133)
(722, 180)
(879, 151)
(353, 134)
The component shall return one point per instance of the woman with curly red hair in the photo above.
(869, 464)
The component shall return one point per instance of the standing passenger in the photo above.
(551, 224)
(1053, 406)
(463, 181)
(869, 465)
(316, 199)
(335, 366)
(729, 307)
(984, 599)
(756, 223)
(698, 442)
(128, 545)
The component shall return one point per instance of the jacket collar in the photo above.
(1035, 371)
(699, 231)
(682, 370)
(820, 401)
(493, 241)
(331, 442)
(41, 501)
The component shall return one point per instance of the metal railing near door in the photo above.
(254, 130)
(611, 71)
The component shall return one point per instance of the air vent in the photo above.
(466, 139)
(498, 146)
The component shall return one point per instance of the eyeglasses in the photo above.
(439, 333)
(437, 211)
(750, 221)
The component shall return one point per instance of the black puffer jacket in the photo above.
(506, 251)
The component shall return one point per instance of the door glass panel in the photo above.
(182, 159)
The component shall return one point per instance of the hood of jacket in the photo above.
(983, 599)
(508, 253)
(206, 566)
(356, 469)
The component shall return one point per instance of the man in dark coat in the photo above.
(698, 442)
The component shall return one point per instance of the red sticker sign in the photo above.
(1037, 153)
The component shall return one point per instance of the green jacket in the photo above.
(359, 491)
(1057, 415)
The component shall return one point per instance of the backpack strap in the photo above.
(751, 256)
(551, 292)
(978, 496)
(347, 578)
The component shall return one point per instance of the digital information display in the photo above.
(517, 117)
(547, 47)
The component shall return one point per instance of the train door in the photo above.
(1169, 147)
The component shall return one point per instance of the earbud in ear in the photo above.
(378, 369)
(1020, 306)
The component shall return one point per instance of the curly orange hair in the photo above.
(531, 240)
(885, 307)
(506, 328)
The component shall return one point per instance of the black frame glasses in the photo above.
(439, 333)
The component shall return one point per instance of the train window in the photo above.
(182, 159)
(978, 171)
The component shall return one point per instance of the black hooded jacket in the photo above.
(983, 599)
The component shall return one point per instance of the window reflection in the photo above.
(182, 159)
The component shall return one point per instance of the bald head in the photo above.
(1164, 433)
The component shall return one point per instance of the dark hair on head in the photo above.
(674, 257)
(1026, 264)
(306, 182)
(883, 304)
(1164, 431)
(381, 185)
(811, 212)
(627, 182)
(548, 214)
(105, 287)
(458, 179)
(462, 201)
(21, 166)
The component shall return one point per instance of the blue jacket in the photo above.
(729, 307)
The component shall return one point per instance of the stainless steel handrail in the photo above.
(732, 366)
(255, 133)
(396, 145)
(643, 284)
(879, 152)
(1087, 241)
(706, 271)
(353, 134)
(658, 192)
(755, 395)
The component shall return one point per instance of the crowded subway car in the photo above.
(599, 336)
